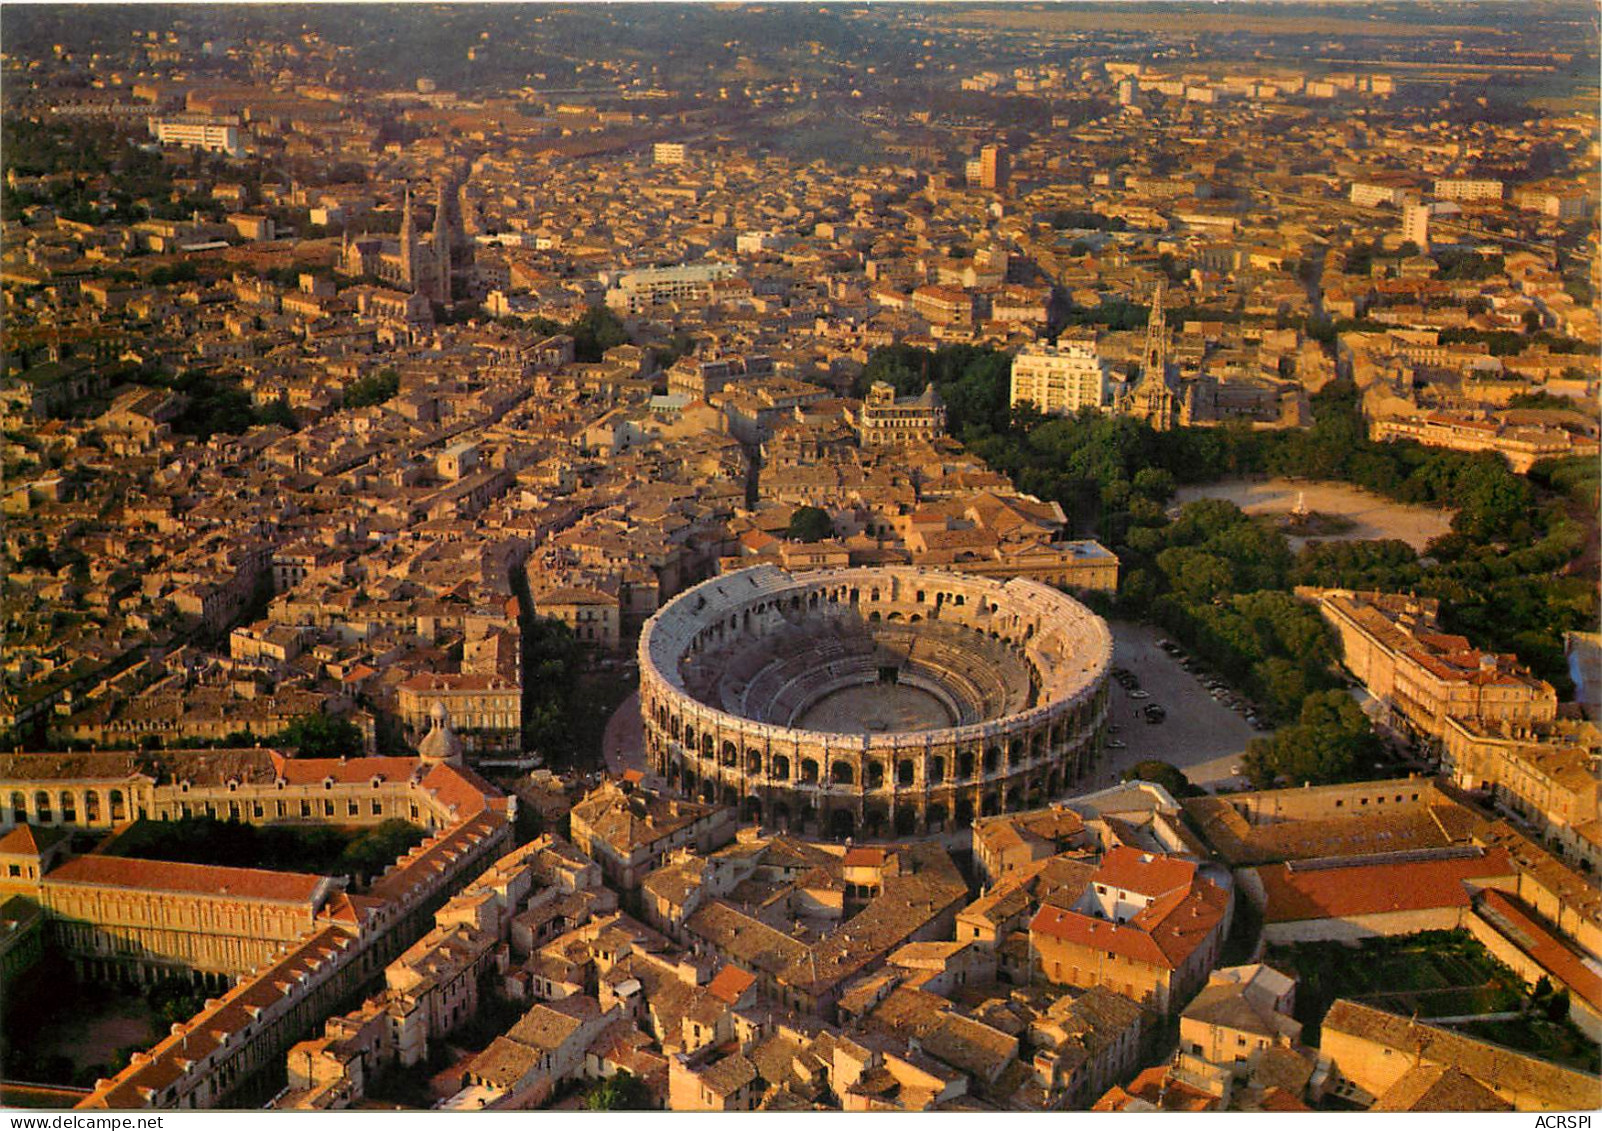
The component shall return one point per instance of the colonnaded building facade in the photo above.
(871, 702)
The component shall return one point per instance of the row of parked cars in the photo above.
(1152, 712)
(1217, 688)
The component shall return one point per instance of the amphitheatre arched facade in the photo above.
(873, 702)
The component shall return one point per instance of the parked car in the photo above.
(1114, 744)
(1139, 694)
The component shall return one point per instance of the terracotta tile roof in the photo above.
(1436, 1087)
(1515, 920)
(462, 790)
(1555, 1087)
(1147, 873)
(1375, 886)
(190, 879)
(1097, 934)
(729, 984)
(25, 840)
(345, 771)
(140, 1085)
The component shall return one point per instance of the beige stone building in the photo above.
(593, 616)
(486, 710)
(1373, 1051)
(1146, 926)
(1422, 675)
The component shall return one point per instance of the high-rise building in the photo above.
(1058, 379)
(993, 167)
(1416, 224)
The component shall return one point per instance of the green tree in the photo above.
(379, 846)
(321, 736)
(809, 524)
(622, 1092)
(374, 389)
(1165, 774)
(1330, 742)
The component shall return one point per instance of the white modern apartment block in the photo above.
(218, 135)
(636, 291)
(668, 153)
(1464, 188)
(1058, 379)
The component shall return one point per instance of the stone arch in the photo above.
(731, 796)
(779, 815)
(1015, 799)
(69, 806)
(708, 746)
(751, 811)
(906, 822)
(874, 778)
(990, 805)
(935, 818)
(780, 768)
(937, 769)
(964, 812)
(1015, 753)
(875, 820)
(842, 824)
(730, 754)
(992, 759)
(753, 760)
(809, 770)
(709, 792)
(965, 763)
(842, 773)
(906, 772)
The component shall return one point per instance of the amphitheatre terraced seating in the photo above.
(801, 696)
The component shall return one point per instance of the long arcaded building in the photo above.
(873, 702)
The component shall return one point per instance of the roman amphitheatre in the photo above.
(873, 702)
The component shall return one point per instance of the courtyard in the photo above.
(1369, 516)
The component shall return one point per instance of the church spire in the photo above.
(442, 248)
(408, 244)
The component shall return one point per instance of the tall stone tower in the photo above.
(1153, 398)
(442, 246)
(408, 244)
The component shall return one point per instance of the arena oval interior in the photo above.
(873, 702)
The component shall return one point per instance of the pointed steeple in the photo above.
(442, 248)
(408, 243)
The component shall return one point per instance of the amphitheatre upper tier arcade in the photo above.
(873, 702)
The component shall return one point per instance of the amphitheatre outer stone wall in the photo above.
(713, 742)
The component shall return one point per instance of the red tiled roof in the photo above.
(461, 789)
(1375, 888)
(1147, 873)
(457, 681)
(194, 879)
(1097, 934)
(1543, 946)
(863, 858)
(346, 771)
(25, 840)
(729, 984)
